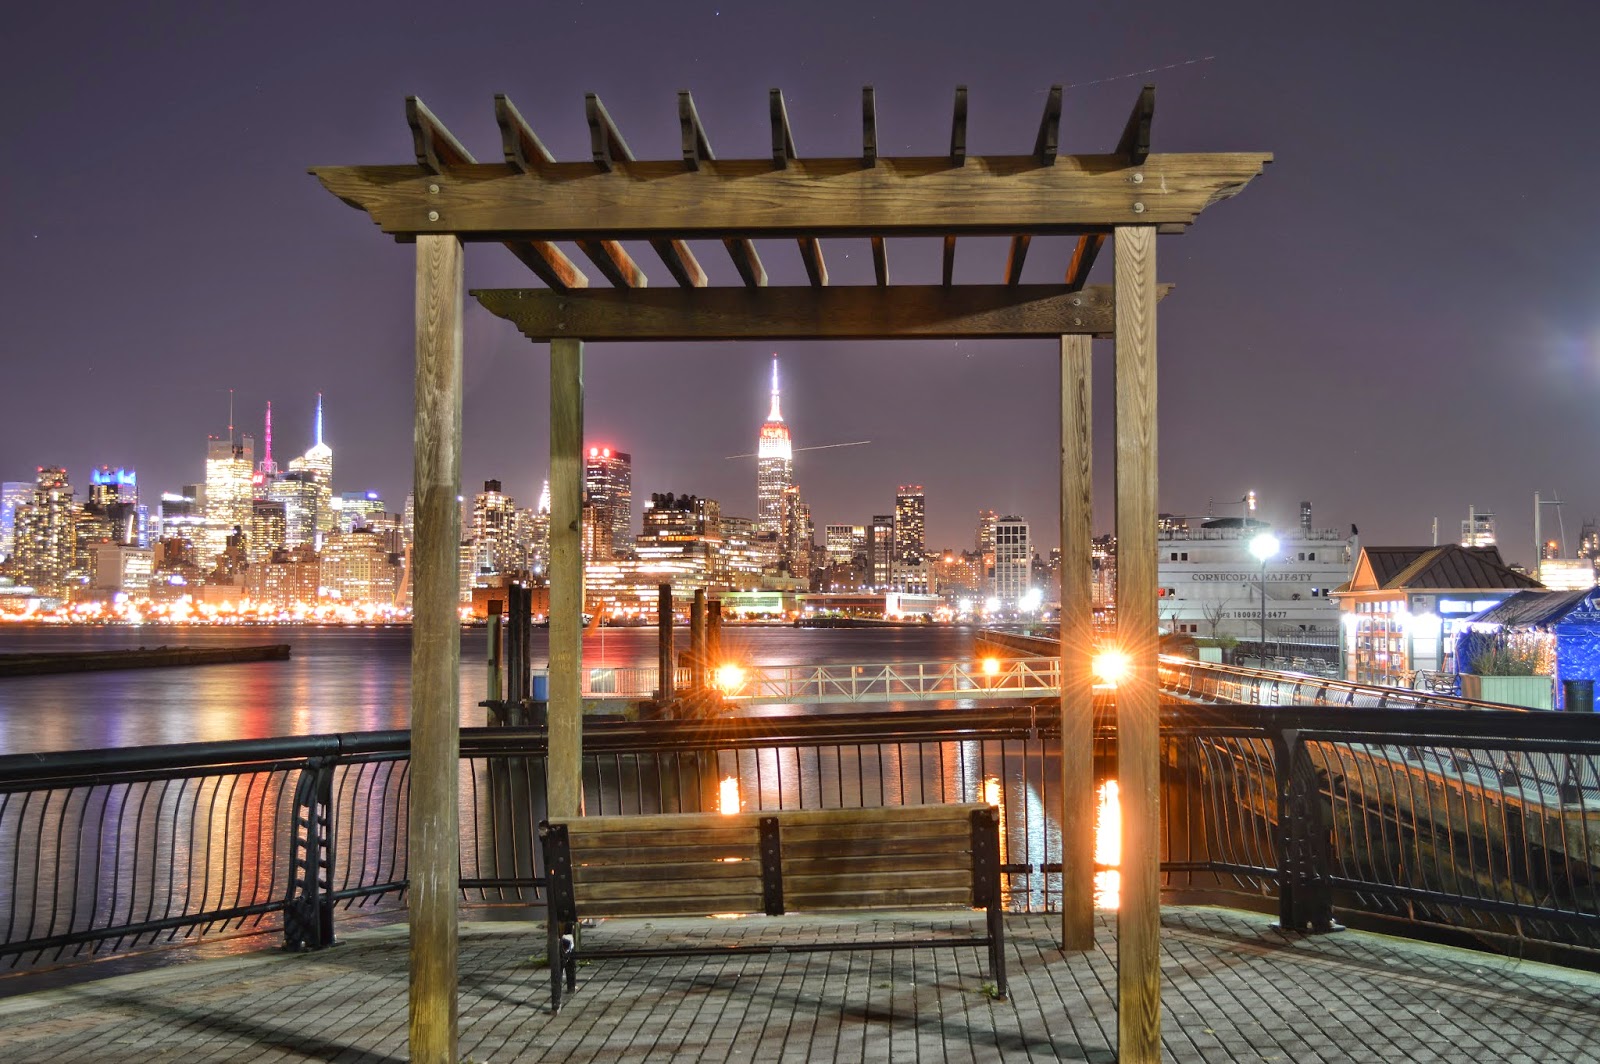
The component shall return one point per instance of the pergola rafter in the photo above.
(531, 201)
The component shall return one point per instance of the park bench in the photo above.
(814, 860)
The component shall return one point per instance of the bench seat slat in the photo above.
(876, 814)
(905, 897)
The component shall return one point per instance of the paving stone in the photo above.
(1232, 990)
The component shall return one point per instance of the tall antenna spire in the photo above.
(266, 459)
(230, 415)
(319, 419)
(774, 414)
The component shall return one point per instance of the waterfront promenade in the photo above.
(1233, 990)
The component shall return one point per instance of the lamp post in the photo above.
(1264, 547)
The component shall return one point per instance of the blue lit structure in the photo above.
(1563, 624)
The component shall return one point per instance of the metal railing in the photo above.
(1233, 684)
(898, 681)
(1485, 824)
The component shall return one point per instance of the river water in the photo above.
(342, 679)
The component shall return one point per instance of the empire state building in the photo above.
(774, 464)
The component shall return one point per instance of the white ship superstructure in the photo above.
(1210, 583)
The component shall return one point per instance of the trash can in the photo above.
(541, 687)
(1577, 696)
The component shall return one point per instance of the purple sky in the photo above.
(1398, 319)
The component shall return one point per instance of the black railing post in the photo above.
(308, 913)
(1305, 824)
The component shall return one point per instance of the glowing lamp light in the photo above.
(1264, 546)
(729, 678)
(991, 666)
(992, 604)
(728, 796)
(1031, 599)
(1109, 666)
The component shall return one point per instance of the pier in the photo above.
(140, 658)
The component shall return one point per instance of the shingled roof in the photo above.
(1535, 609)
(1448, 567)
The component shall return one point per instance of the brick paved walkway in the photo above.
(1233, 990)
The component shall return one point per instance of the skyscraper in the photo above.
(113, 504)
(318, 461)
(494, 530)
(880, 550)
(267, 470)
(910, 525)
(774, 464)
(608, 488)
(13, 493)
(229, 468)
(1013, 560)
(46, 533)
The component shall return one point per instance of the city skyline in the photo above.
(1294, 347)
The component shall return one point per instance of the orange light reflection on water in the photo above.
(1108, 847)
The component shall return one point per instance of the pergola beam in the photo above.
(752, 199)
(437, 151)
(1135, 140)
(1083, 256)
(696, 145)
(1016, 257)
(869, 127)
(919, 312)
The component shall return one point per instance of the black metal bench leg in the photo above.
(997, 948)
(554, 957)
(569, 956)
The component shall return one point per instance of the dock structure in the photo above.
(137, 658)
(530, 203)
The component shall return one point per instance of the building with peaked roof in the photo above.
(1403, 606)
(1559, 630)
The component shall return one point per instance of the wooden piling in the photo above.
(666, 653)
(1077, 647)
(433, 836)
(566, 578)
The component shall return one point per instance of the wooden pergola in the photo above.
(531, 204)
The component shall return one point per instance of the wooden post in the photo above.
(697, 640)
(1138, 695)
(494, 692)
(1077, 650)
(434, 825)
(666, 654)
(713, 636)
(566, 579)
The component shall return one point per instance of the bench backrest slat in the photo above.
(706, 864)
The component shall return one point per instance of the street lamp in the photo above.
(1264, 547)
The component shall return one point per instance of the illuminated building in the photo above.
(774, 464)
(357, 567)
(1478, 529)
(952, 575)
(267, 532)
(1013, 561)
(1403, 607)
(743, 555)
(840, 542)
(494, 531)
(668, 515)
(180, 516)
(608, 489)
(539, 540)
(13, 493)
(910, 525)
(287, 578)
(46, 533)
(1103, 571)
(795, 534)
(114, 500)
(880, 551)
(301, 495)
(115, 567)
(229, 471)
(595, 534)
(318, 462)
(357, 509)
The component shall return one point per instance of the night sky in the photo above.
(1398, 319)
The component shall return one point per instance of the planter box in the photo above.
(1528, 692)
